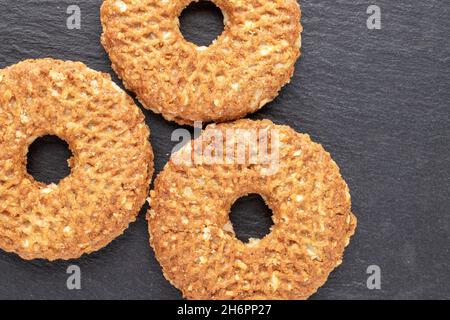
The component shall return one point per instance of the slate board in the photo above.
(378, 100)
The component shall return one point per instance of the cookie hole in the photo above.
(201, 23)
(251, 218)
(47, 159)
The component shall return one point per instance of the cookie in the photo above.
(111, 167)
(193, 237)
(241, 71)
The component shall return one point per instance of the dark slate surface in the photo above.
(378, 100)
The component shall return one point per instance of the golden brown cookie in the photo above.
(241, 71)
(193, 237)
(111, 167)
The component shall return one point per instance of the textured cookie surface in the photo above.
(193, 237)
(111, 166)
(236, 75)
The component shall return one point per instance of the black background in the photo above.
(378, 100)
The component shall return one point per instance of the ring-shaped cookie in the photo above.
(111, 167)
(241, 71)
(189, 221)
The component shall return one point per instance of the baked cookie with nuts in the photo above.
(241, 71)
(111, 167)
(193, 237)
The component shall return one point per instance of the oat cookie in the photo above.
(241, 71)
(111, 167)
(193, 237)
